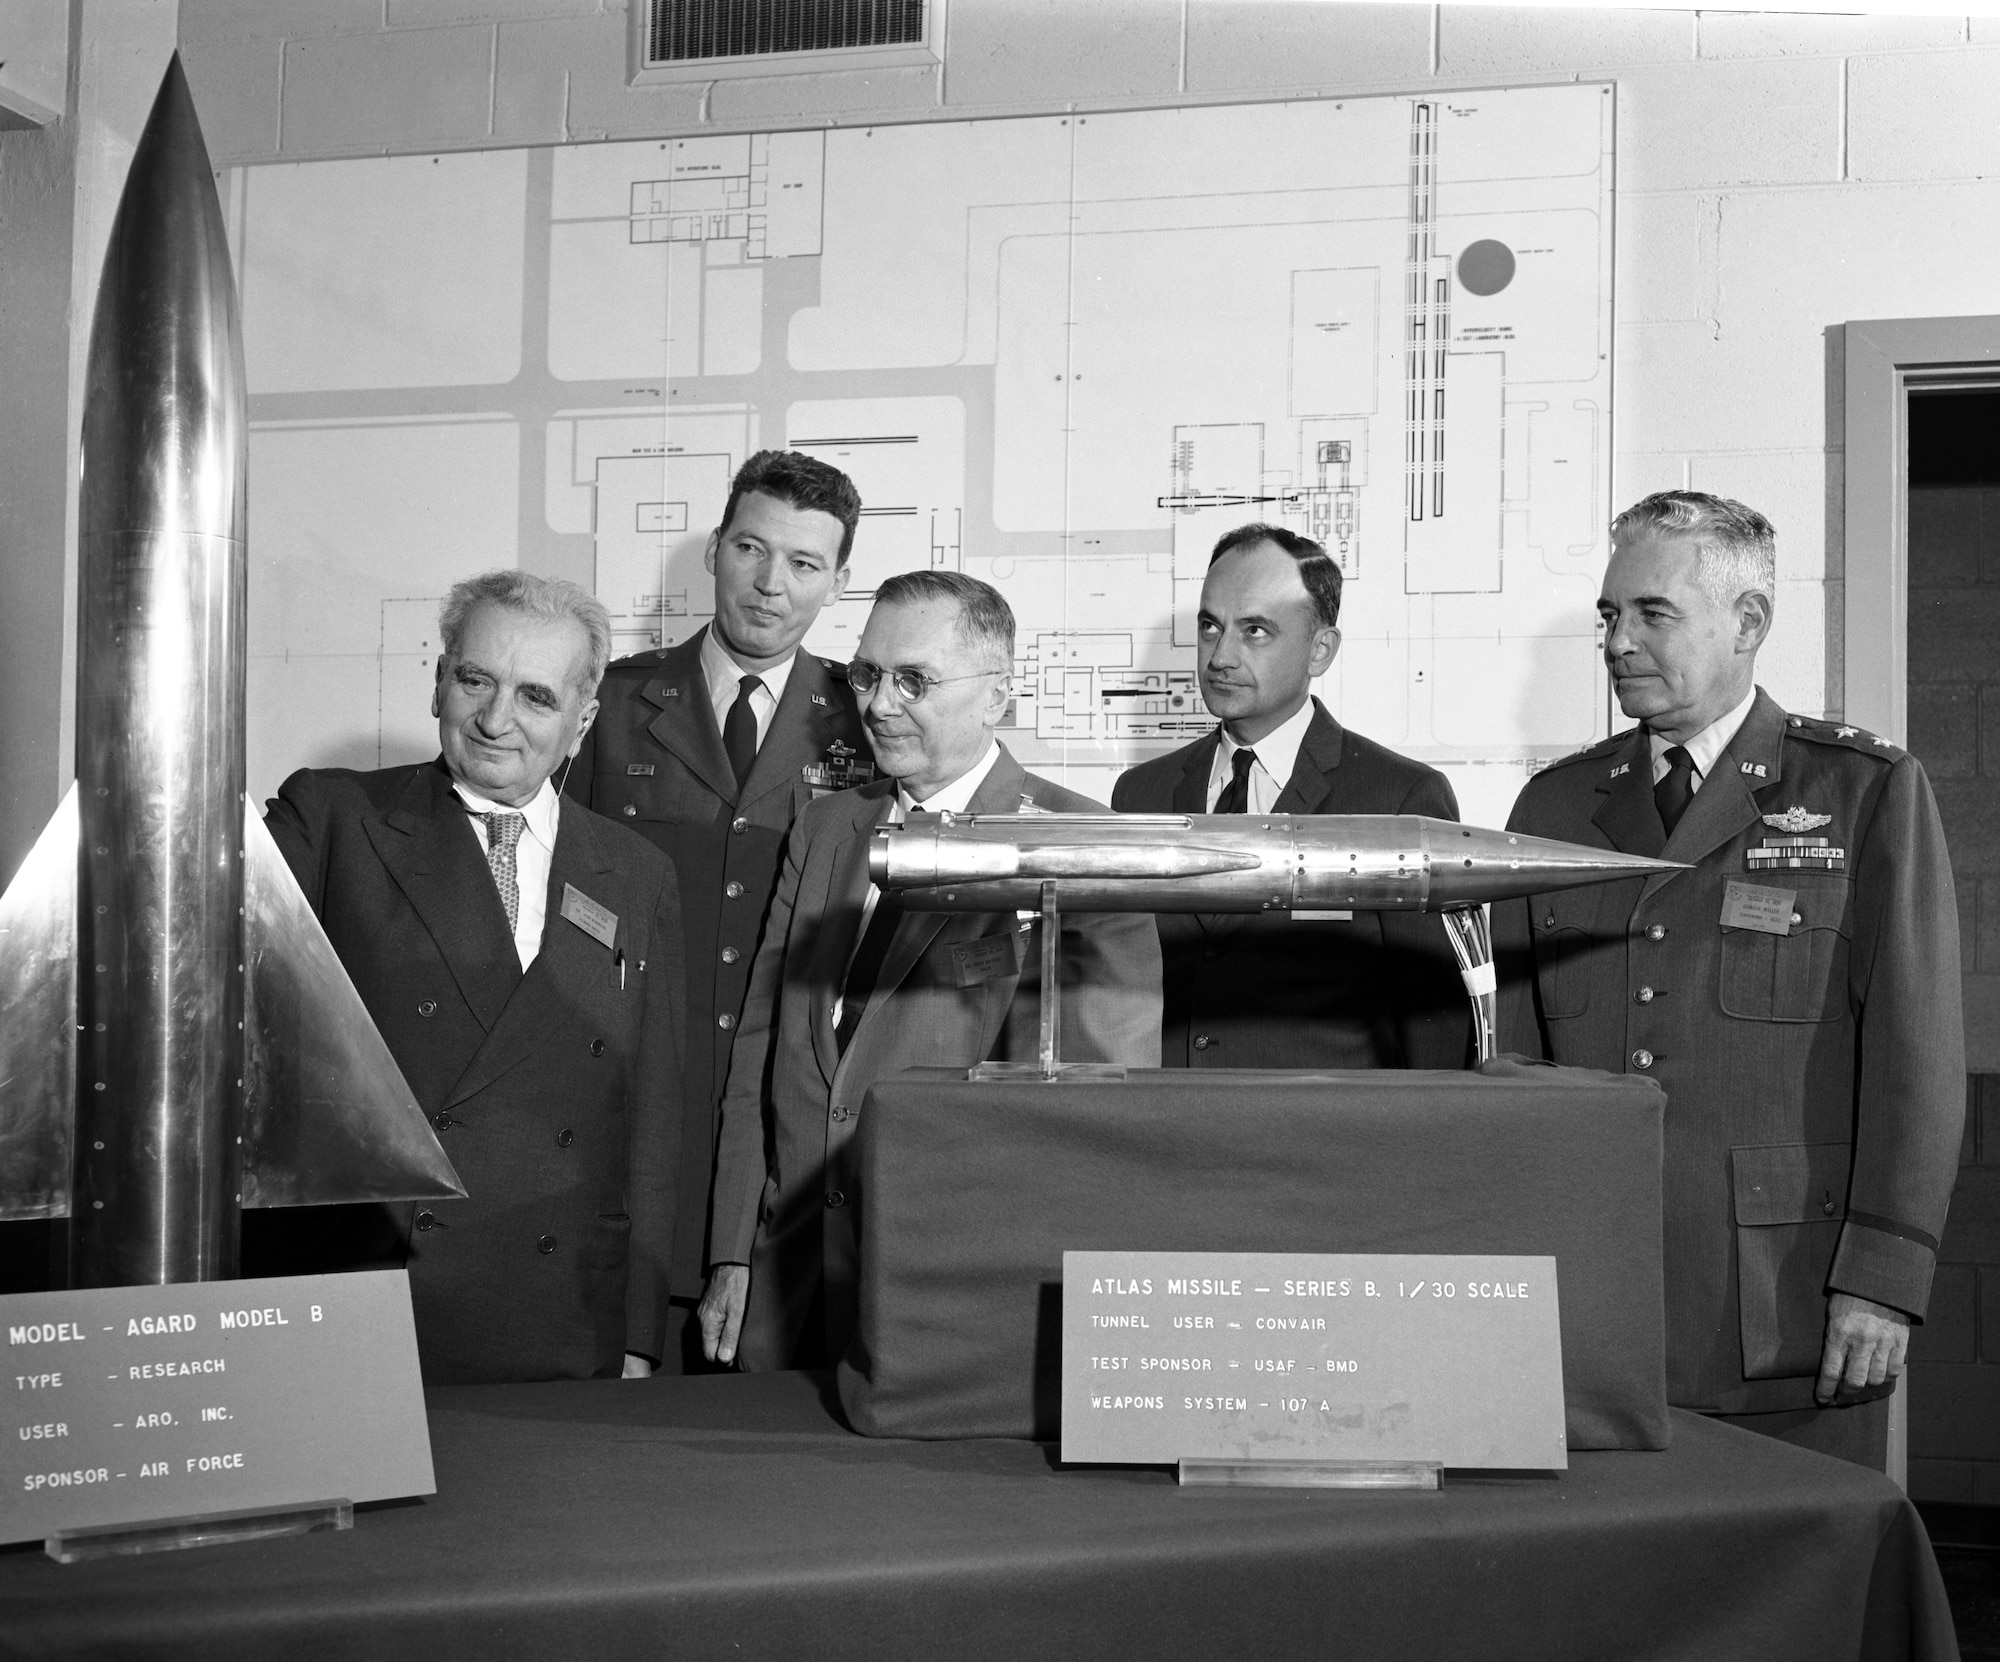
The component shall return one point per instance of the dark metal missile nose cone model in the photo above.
(177, 1038)
(1302, 864)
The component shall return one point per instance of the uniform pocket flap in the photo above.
(1790, 1182)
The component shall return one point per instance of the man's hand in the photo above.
(721, 1310)
(1865, 1344)
(637, 1366)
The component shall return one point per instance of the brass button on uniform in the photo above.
(597, 1047)
(428, 1007)
(1201, 1041)
(835, 1198)
(546, 1245)
(734, 890)
(631, 812)
(1827, 1207)
(1798, 918)
(739, 826)
(1643, 996)
(730, 955)
(1642, 1058)
(1656, 931)
(842, 1113)
(725, 1021)
(565, 1137)
(427, 1220)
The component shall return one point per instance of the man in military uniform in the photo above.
(1795, 993)
(710, 749)
(1368, 990)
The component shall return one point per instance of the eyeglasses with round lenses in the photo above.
(910, 684)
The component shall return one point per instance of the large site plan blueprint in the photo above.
(1063, 354)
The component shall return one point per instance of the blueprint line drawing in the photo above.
(1063, 354)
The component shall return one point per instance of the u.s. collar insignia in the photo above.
(1622, 767)
(819, 700)
(670, 692)
(1754, 769)
(1796, 820)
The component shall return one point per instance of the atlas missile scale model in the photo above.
(1304, 865)
(178, 1039)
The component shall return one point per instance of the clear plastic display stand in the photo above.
(262, 1523)
(1310, 1474)
(1047, 1067)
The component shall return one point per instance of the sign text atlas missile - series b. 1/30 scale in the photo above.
(1452, 1359)
(129, 1404)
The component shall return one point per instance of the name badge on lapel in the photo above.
(986, 959)
(600, 923)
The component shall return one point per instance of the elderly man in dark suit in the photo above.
(521, 957)
(709, 750)
(1796, 992)
(1287, 990)
(849, 988)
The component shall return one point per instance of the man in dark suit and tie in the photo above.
(522, 960)
(849, 989)
(1285, 990)
(709, 750)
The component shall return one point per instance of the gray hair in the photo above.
(549, 599)
(984, 617)
(1736, 549)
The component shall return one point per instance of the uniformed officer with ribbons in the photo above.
(1795, 993)
(709, 749)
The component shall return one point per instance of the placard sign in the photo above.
(126, 1404)
(1309, 1356)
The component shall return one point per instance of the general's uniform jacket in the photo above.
(555, 1092)
(955, 988)
(654, 762)
(1815, 1076)
(1377, 990)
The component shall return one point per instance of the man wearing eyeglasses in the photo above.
(849, 989)
(709, 750)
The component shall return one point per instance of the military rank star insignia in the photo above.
(1796, 820)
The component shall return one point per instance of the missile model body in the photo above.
(177, 1037)
(1226, 863)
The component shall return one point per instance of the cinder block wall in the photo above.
(1777, 174)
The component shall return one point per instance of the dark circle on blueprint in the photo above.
(1486, 267)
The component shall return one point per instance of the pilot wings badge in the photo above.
(1795, 820)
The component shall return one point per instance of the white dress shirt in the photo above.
(1706, 747)
(954, 798)
(1277, 754)
(724, 676)
(534, 854)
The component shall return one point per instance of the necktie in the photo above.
(739, 730)
(503, 831)
(1674, 789)
(1235, 796)
(866, 969)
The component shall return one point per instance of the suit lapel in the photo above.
(798, 736)
(1191, 789)
(1628, 816)
(1311, 782)
(686, 722)
(845, 874)
(428, 845)
(565, 965)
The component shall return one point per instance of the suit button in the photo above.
(442, 1120)
(1209, 956)
(1549, 922)
(733, 890)
(835, 1198)
(840, 1114)
(546, 1245)
(1643, 996)
(1656, 931)
(597, 1047)
(427, 1220)
(565, 1137)
(739, 826)
(1642, 1058)
(730, 955)
(630, 811)
(1201, 1041)
(428, 1007)
(725, 1021)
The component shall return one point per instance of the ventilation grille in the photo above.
(694, 31)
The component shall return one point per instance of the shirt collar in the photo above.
(1278, 750)
(542, 810)
(956, 797)
(724, 674)
(1707, 746)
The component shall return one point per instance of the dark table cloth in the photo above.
(971, 1193)
(736, 1517)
